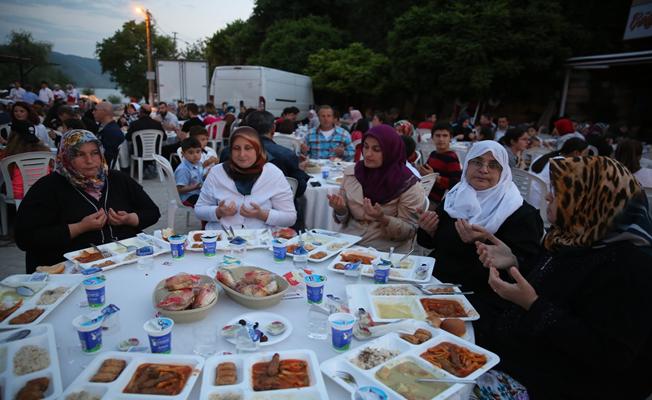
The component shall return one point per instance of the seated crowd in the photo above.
(564, 307)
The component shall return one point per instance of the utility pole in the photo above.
(150, 68)
(174, 34)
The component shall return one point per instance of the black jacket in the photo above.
(53, 203)
(111, 137)
(589, 334)
(458, 262)
(140, 124)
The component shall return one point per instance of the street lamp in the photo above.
(150, 71)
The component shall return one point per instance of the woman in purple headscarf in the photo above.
(380, 197)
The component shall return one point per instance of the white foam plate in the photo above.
(41, 336)
(263, 319)
(324, 240)
(408, 274)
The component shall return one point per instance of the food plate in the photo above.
(114, 389)
(194, 242)
(379, 306)
(118, 254)
(383, 372)
(69, 282)
(322, 244)
(256, 239)
(264, 319)
(335, 180)
(243, 386)
(42, 337)
(415, 269)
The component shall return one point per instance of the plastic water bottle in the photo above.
(172, 212)
(243, 342)
(300, 257)
(317, 322)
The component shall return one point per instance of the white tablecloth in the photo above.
(318, 212)
(131, 289)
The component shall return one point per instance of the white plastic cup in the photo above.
(341, 330)
(381, 272)
(159, 331)
(90, 336)
(176, 245)
(210, 245)
(95, 288)
(315, 288)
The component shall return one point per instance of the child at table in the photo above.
(189, 175)
(208, 155)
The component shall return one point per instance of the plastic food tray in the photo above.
(119, 254)
(256, 239)
(328, 242)
(243, 387)
(361, 296)
(54, 281)
(408, 352)
(113, 390)
(406, 274)
(41, 336)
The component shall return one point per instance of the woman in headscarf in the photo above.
(485, 200)
(80, 203)
(579, 326)
(380, 196)
(246, 191)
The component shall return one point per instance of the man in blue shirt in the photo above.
(29, 97)
(327, 140)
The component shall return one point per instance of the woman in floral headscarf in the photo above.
(579, 325)
(82, 202)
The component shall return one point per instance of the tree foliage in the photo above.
(233, 45)
(351, 70)
(288, 43)
(22, 44)
(124, 56)
(194, 51)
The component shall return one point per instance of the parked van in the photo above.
(261, 88)
(182, 80)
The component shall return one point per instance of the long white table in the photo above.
(318, 213)
(131, 289)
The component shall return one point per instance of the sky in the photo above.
(75, 26)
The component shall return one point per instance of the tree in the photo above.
(288, 43)
(35, 61)
(124, 56)
(194, 51)
(352, 70)
(477, 48)
(232, 45)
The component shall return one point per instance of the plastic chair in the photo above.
(418, 160)
(287, 141)
(216, 135)
(294, 184)
(174, 201)
(461, 154)
(32, 166)
(533, 189)
(152, 142)
(428, 181)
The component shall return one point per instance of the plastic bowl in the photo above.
(251, 301)
(184, 316)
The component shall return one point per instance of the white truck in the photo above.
(182, 80)
(261, 88)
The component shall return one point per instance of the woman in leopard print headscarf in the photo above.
(579, 325)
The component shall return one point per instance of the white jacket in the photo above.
(271, 192)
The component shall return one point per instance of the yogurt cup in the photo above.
(90, 335)
(176, 245)
(159, 332)
(341, 330)
(381, 272)
(315, 288)
(280, 250)
(95, 288)
(369, 393)
(210, 245)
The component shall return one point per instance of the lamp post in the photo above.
(150, 68)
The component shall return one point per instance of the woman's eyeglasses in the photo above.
(491, 165)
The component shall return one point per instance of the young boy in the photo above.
(189, 175)
(444, 161)
(208, 155)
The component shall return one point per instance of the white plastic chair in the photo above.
(418, 160)
(287, 141)
(174, 201)
(216, 135)
(533, 189)
(461, 154)
(32, 166)
(428, 181)
(152, 142)
(294, 184)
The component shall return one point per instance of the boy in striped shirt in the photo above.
(443, 161)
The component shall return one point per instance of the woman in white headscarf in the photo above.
(485, 200)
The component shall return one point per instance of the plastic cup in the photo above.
(280, 250)
(159, 331)
(95, 287)
(90, 335)
(381, 272)
(341, 330)
(325, 171)
(176, 245)
(210, 245)
(238, 250)
(369, 393)
(315, 288)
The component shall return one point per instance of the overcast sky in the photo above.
(74, 26)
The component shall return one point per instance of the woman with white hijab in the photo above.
(485, 200)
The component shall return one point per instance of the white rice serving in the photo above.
(370, 357)
(31, 358)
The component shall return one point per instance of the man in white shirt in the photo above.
(17, 92)
(501, 129)
(167, 118)
(58, 93)
(45, 94)
(72, 94)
